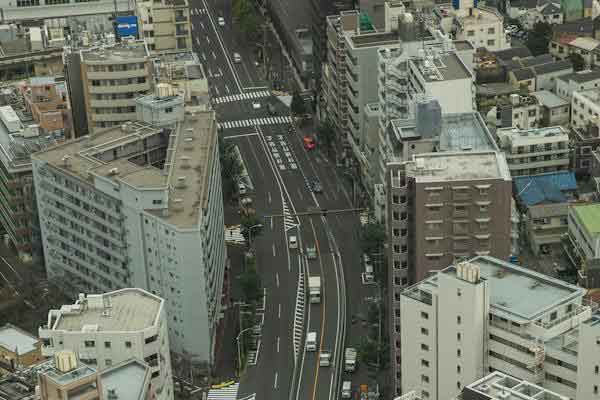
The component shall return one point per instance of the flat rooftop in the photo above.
(589, 216)
(516, 293)
(374, 39)
(445, 67)
(119, 53)
(65, 378)
(130, 310)
(128, 380)
(191, 148)
(464, 166)
(525, 137)
(460, 131)
(581, 76)
(549, 99)
(17, 340)
(496, 383)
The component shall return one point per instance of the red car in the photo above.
(309, 143)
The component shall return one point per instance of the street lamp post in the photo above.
(239, 346)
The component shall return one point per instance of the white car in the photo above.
(237, 58)
(221, 21)
(256, 106)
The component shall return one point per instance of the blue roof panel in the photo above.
(546, 188)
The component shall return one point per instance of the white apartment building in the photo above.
(577, 81)
(585, 108)
(535, 151)
(487, 314)
(104, 330)
(583, 242)
(141, 206)
(165, 25)
(480, 25)
(500, 386)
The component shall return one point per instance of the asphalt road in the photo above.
(280, 168)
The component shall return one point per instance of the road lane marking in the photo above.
(269, 193)
(207, 39)
(241, 135)
(214, 55)
(278, 344)
(217, 90)
(271, 217)
(202, 25)
(276, 275)
(275, 384)
(322, 310)
(227, 89)
(209, 73)
(220, 71)
(204, 56)
(274, 256)
(279, 311)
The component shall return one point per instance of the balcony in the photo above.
(107, 89)
(131, 73)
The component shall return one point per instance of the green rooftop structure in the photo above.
(365, 23)
(588, 216)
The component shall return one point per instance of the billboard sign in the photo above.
(127, 25)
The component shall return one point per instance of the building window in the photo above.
(424, 379)
(424, 363)
(169, 109)
(128, 344)
(425, 331)
(107, 345)
(424, 315)
(458, 336)
(458, 353)
(458, 369)
(553, 315)
(596, 369)
(458, 319)
(458, 385)
(108, 362)
(595, 389)
(424, 347)
(425, 394)
(471, 33)
(491, 42)
(89, 343)
(395, 199)
(491, 31)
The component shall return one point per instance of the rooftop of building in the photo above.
(552, 187)
(549, 99)
(64, 378)
(516, 293)
(498, 385)
(373, 39)
(523, 74)
(17, 340)
(582, 26)
(493, 89)
(525, 137)
(459, 132)
(589, 216)
(592, 94)
(585, 43)
(510, 53)
(124, 52)
(481, 15)
(554, 66)
(14, 388)
(128, 380)
(185, 176)
(125, 310)
(461, 166)
(581, 76)
(444, 67)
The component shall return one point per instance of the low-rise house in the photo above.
(534, 151)
(18, 349)
(582, 242)
(581, 80)
(555, 110)
(522, 112)
(543, 200)
(536, 73)
(546, 11)
(585, 108)
(588, 48)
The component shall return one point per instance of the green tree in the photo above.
(250, 285)
(539, 37)
(246, 17)
(326, 134)
(372, 238)
(231, 167)
(297, 105)
(577, 61)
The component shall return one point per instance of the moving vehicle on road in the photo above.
(316, 186)
(221, 21)
(242, 188)
(350, 359)
(256, 106)
(325, 359)
(237, 58)
(293, 242)
(311, 341)
(346, 390)
(311, 252)
(314, 289)
(309, 142)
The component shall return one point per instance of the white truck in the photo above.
(314, 289)
(346, 390)
(350, 359)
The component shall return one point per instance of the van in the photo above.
(311, 341)
(293, 241)
(347, 390)
(237, 58)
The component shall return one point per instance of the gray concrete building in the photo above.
(139, 205)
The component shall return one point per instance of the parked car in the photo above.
(237, 58)
(221, 21)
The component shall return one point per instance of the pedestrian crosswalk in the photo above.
(244, 123)
(288, 221)
(225, 393)
(241, 96)
(299, 316)
(198, 11)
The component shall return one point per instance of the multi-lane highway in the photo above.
(281, 170)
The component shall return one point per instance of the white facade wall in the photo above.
(46, 10)
(565, 89)
(588, 363)
(487, 31)
(584, 110)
